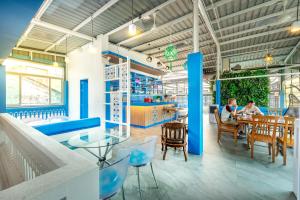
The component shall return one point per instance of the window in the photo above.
(56, 91)
(31, 84)
(12, 89)
(35, 91)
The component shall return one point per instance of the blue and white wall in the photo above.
(86, 65)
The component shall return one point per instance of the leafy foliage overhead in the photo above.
(256, 89)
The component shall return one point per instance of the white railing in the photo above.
(34, 166)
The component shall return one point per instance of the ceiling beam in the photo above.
(292, 52)
(61, 29)
(85, 22)
(234, 40)
(217, 4)
(257, 51)
(38, 15)
(244, 11)
(261, 44)
(150, 12)
(187, 47)
(168, 37)
(158, 48)
(37, 51)
(255, 20)
(213, 35)
(259, 58)
(163, 26)
(248, 31)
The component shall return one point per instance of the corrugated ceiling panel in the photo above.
(45, 34)
(70, 13)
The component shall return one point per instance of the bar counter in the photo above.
(145, 115)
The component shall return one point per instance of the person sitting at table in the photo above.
(229, 111)
(251, 109)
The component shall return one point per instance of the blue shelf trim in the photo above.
(67, 126)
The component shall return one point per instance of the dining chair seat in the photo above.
(138, 158)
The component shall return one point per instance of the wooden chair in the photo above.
(285, 138)
(174, 135)
(264, 129)
(226, 128)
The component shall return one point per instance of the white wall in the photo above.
(85, 65)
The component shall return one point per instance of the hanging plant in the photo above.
(170, 54)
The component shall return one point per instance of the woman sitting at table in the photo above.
(251, 109)
(229, 111)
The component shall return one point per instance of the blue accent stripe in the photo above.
(67, 126)
(155, 124)
(195, 105)
(2, 89)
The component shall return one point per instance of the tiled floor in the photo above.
(223, 172)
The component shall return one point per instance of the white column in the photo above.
(195, 26)
(296, 185)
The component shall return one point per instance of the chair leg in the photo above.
(273, 152)
(248, 142)
(277, 149)
(252, 149)
(165, 153)
(153, 175)
(123, 193)
(139, 183)
(269, 147)
(219, 136)
(284, 154)
(185, 154)
(235, 137)
(162, 146)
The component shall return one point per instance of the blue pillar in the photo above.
(218, 92)
(2, 89)
(66, 97)
(281, 99)
(195, 105)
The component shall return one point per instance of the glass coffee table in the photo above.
(97, 139)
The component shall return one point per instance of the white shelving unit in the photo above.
(119, 72)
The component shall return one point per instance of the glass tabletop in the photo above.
(95, 139)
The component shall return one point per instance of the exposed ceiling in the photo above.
(245, 29)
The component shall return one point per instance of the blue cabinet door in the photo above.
(84, 99)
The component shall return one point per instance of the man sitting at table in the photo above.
(229, 111)
(251, 109)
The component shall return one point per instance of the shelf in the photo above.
(115, 79)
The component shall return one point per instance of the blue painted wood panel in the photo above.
(84, 99)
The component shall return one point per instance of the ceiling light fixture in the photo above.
(132, 26)
(92, 47)
(154, 22)
(268, 56)
(295, 27)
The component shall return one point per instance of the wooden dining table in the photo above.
(245, 121)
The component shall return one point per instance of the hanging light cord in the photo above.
(132, 10)
(298, 10)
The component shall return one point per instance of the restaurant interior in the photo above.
(149, 99)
